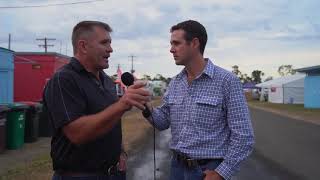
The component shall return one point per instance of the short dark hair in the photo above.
(193, 29)
(85, 27)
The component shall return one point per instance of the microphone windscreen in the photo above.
(127, 79)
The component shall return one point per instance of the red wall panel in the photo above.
(31, 73)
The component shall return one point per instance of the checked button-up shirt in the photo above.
(209, 118)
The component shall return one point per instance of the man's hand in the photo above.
(136, 95)
(212, 175)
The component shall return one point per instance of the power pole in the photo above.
(60, 46)
(132, 56)
(46, 45)
(9, 43)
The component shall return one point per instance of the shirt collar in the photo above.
(208, 70)
(77, 65)
(74, 62)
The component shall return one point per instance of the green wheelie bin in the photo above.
(3, 118)
(15, 125)
(31, 131)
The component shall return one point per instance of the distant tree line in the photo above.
(256, 75)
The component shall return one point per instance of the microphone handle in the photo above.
(146, 112)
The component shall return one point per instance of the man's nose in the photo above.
(172, 50)
(109, 49)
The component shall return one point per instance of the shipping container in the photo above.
(32, 72)
(6, 75)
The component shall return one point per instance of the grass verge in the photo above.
(296, 111)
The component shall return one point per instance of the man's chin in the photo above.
(177, 62)
(105, 65)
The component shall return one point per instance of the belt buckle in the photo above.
(190, 163)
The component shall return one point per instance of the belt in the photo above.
(110, 171)
(189, 162)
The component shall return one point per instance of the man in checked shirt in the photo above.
(206, 109)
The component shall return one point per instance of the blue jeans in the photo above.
(93, 177)
(180, 172)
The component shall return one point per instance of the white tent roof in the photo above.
(281, 81)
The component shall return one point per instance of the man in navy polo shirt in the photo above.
(85, 111)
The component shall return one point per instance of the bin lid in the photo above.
(3, 108)
(35, 105)
(15, 106)
(29, 103)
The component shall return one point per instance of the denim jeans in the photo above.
(180, 172)
(91, 177)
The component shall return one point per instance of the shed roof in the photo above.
(310, 69)
(281, 80)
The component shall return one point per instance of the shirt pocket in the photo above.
(209, 112)
(177, 111)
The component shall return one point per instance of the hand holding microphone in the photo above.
(136, 95)
(128, 80)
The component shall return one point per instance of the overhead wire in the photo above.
(47, 5)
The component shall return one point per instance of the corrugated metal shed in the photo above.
(6, 75)
(311, 86)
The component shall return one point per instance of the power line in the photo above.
(47, 5)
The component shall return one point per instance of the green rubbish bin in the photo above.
(3, 119)
(31, 131)
(15, 125)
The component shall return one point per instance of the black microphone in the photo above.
(128, 79)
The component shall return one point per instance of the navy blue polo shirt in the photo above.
(74, 92)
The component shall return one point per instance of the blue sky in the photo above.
(251, 34)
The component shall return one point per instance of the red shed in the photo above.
(32, 71)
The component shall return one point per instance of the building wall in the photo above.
(293, 95)
(31, 77)
(294, 92)
(276, 95)
(6, 75)
(312, 92)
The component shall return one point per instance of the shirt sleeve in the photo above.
(241, 132)
(64, 99)
(160, 117)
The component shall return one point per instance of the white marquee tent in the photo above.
(286, 89)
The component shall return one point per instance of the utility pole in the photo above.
(60, 46)
(132, 56)
(46, 45)
(9, 42)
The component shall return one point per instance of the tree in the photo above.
(244, 78)
(146, 77)
(159, 77)
(236, 71)
(256, 76)
(284, 70)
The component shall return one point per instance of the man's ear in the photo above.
(195, 43)
(82, 46)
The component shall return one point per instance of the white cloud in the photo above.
(252, 34)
